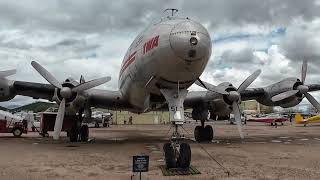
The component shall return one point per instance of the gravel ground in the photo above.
(285, 152)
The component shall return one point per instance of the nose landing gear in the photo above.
(177, 154)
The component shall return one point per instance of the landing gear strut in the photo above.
(177, 154)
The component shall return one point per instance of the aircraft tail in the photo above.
(298, 119)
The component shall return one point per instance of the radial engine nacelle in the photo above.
(215, 104)
(280, 87)
(76, 101)
(6, 91)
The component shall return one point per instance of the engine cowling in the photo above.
(279, 87)
(6, 91)
(75, 102)
(217, 104)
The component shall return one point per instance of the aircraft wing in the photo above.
(252, 93)
(107, 99)
(93, 97)
(196, 98)
(314, 87)
(34, 90)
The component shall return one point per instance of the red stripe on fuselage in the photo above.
(130, 60)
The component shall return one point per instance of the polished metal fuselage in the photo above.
(163, 56)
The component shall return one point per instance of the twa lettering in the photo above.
(152, 43)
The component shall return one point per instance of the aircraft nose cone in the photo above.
(190, 41)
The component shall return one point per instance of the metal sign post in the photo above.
(140, 164)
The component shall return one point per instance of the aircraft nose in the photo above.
(190, 41)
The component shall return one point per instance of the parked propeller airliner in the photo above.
(160, 65)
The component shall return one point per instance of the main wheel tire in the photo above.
(184, 158)
(84, 133)
(74, 133)
(33, 129)
(104, 124)
(209, 132)
(198, 133)
(170, 157)
(17, 132)
(96, 125)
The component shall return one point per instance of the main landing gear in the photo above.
(203, 133)
(177, 154)
(79, 132)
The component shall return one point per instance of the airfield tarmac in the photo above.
(285, 152)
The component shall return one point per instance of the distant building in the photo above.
(153, 117)
(253, 107)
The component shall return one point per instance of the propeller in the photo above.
(210, 87)
(7, 73)
(303, 89)
(65, 92)
(233, 96)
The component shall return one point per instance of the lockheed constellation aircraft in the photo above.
(160, 65)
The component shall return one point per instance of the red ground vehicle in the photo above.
(13, 126)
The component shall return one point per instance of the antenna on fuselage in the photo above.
(173, 11)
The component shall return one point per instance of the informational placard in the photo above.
(140, 164)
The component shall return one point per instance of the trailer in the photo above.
(48, 119)
(72, 124)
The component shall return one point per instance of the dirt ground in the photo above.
(285, 152)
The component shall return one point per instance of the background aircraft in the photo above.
(299, 119)
(160, 65)
(272, 119)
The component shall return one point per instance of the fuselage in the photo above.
(170, 54)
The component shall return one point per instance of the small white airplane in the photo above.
(160, 65)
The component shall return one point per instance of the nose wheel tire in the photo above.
(203, 134)
(170, 157)
(184, 158)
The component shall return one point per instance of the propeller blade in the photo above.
(246, 83)
(210, 87)
(4, 74)
(45, 74)
(304, 70)
(284, 95)
(237, 117)
(91, 84)
(313, 101)
(59, 120)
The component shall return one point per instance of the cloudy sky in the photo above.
(82, 37)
